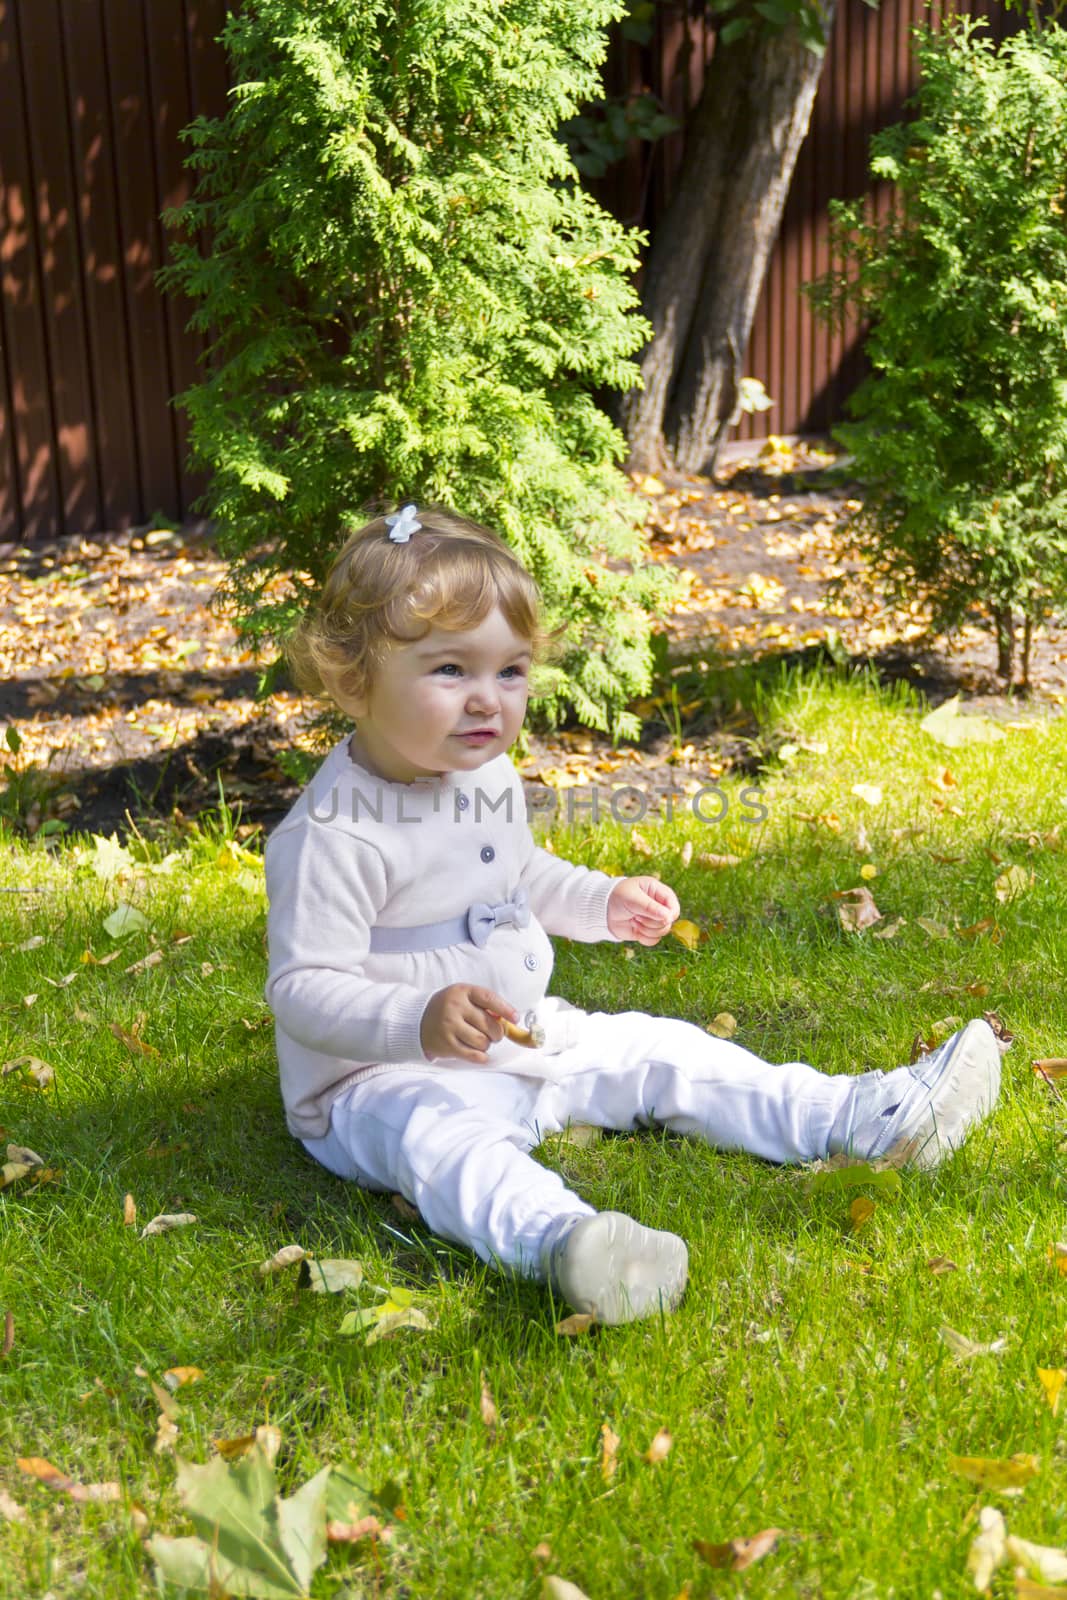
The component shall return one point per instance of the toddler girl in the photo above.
(409, 953)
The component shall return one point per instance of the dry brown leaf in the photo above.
(52, 1478)
(352, 1532)
(152, 959)
(166, 1434)
(939, 1265)
(609, 1444)
(966, 1348)
(1012, 883)
(490, 1415)
(1042, 1562)
(269, 1439)
(36, 1070)
(889, 930)
(287, 1256)
(707, 858)
(660, 1447)
(37, 1467)
(10, 1509)
(403, 1208)
(936, 930)
(129, 1211)
(686, 853)
(12, 1171)
(177, 1377)
(860, 1211)
(234, 1449)
(541, 1552)
(737, 1554)
(1027, 1589)
(578, 1322)
(1051, 1067)
(167, 1220)
(132, 1040)
(974, 930)
(1003, 1036)
(639, 843)
(856, 909)
(553, 1588)
(989, 1548)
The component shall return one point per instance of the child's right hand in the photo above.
(463, 1020)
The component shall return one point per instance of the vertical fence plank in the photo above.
(138, 210)
(96, 182)
(25, 344)
(61, 279)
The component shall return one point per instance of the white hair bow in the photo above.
(402, 525)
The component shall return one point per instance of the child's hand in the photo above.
(642, 909)
(463, 1020)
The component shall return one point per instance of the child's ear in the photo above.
(351, 700)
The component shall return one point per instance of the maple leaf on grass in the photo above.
(248, 1540)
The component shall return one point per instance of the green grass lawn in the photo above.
(803, 1380)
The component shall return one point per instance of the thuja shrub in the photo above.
(407, 296)
(960, 430)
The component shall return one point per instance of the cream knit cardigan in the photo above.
(356, 851)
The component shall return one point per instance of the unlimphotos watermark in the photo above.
(626, 805)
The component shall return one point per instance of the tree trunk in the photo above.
(1004, 623)
(706, 267)
(1028, 640)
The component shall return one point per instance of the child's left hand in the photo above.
(642, 909)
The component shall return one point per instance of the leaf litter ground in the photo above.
(130, 692)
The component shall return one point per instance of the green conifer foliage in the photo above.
(960, 437)
(408, 296)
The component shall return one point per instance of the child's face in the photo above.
(446, 703)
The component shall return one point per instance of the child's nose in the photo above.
(484, 693)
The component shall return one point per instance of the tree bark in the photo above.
(1004, 623)
(710, 252)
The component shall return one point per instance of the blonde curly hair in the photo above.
(449, 574)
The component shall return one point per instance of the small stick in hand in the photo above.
(532, 1036)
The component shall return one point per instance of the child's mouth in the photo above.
(482, 737)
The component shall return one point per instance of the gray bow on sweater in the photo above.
(483, 918)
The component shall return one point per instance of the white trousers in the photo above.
(455, 1141)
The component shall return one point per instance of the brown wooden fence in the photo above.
(93, 94)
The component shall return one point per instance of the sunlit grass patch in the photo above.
(805, 1381)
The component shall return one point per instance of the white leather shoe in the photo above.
(611, 1266)
(931, 1105)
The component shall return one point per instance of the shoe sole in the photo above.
(618, 1270)
(966, 1093)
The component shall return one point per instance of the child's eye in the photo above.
(513, 672)
(448, 666)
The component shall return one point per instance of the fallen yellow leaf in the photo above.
(1012, 883)
(578, 1322)
(660, 1447)
(990, 1472)
(723, 1026)
(687, 932)
(1052, 1381)
(609, 1444)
